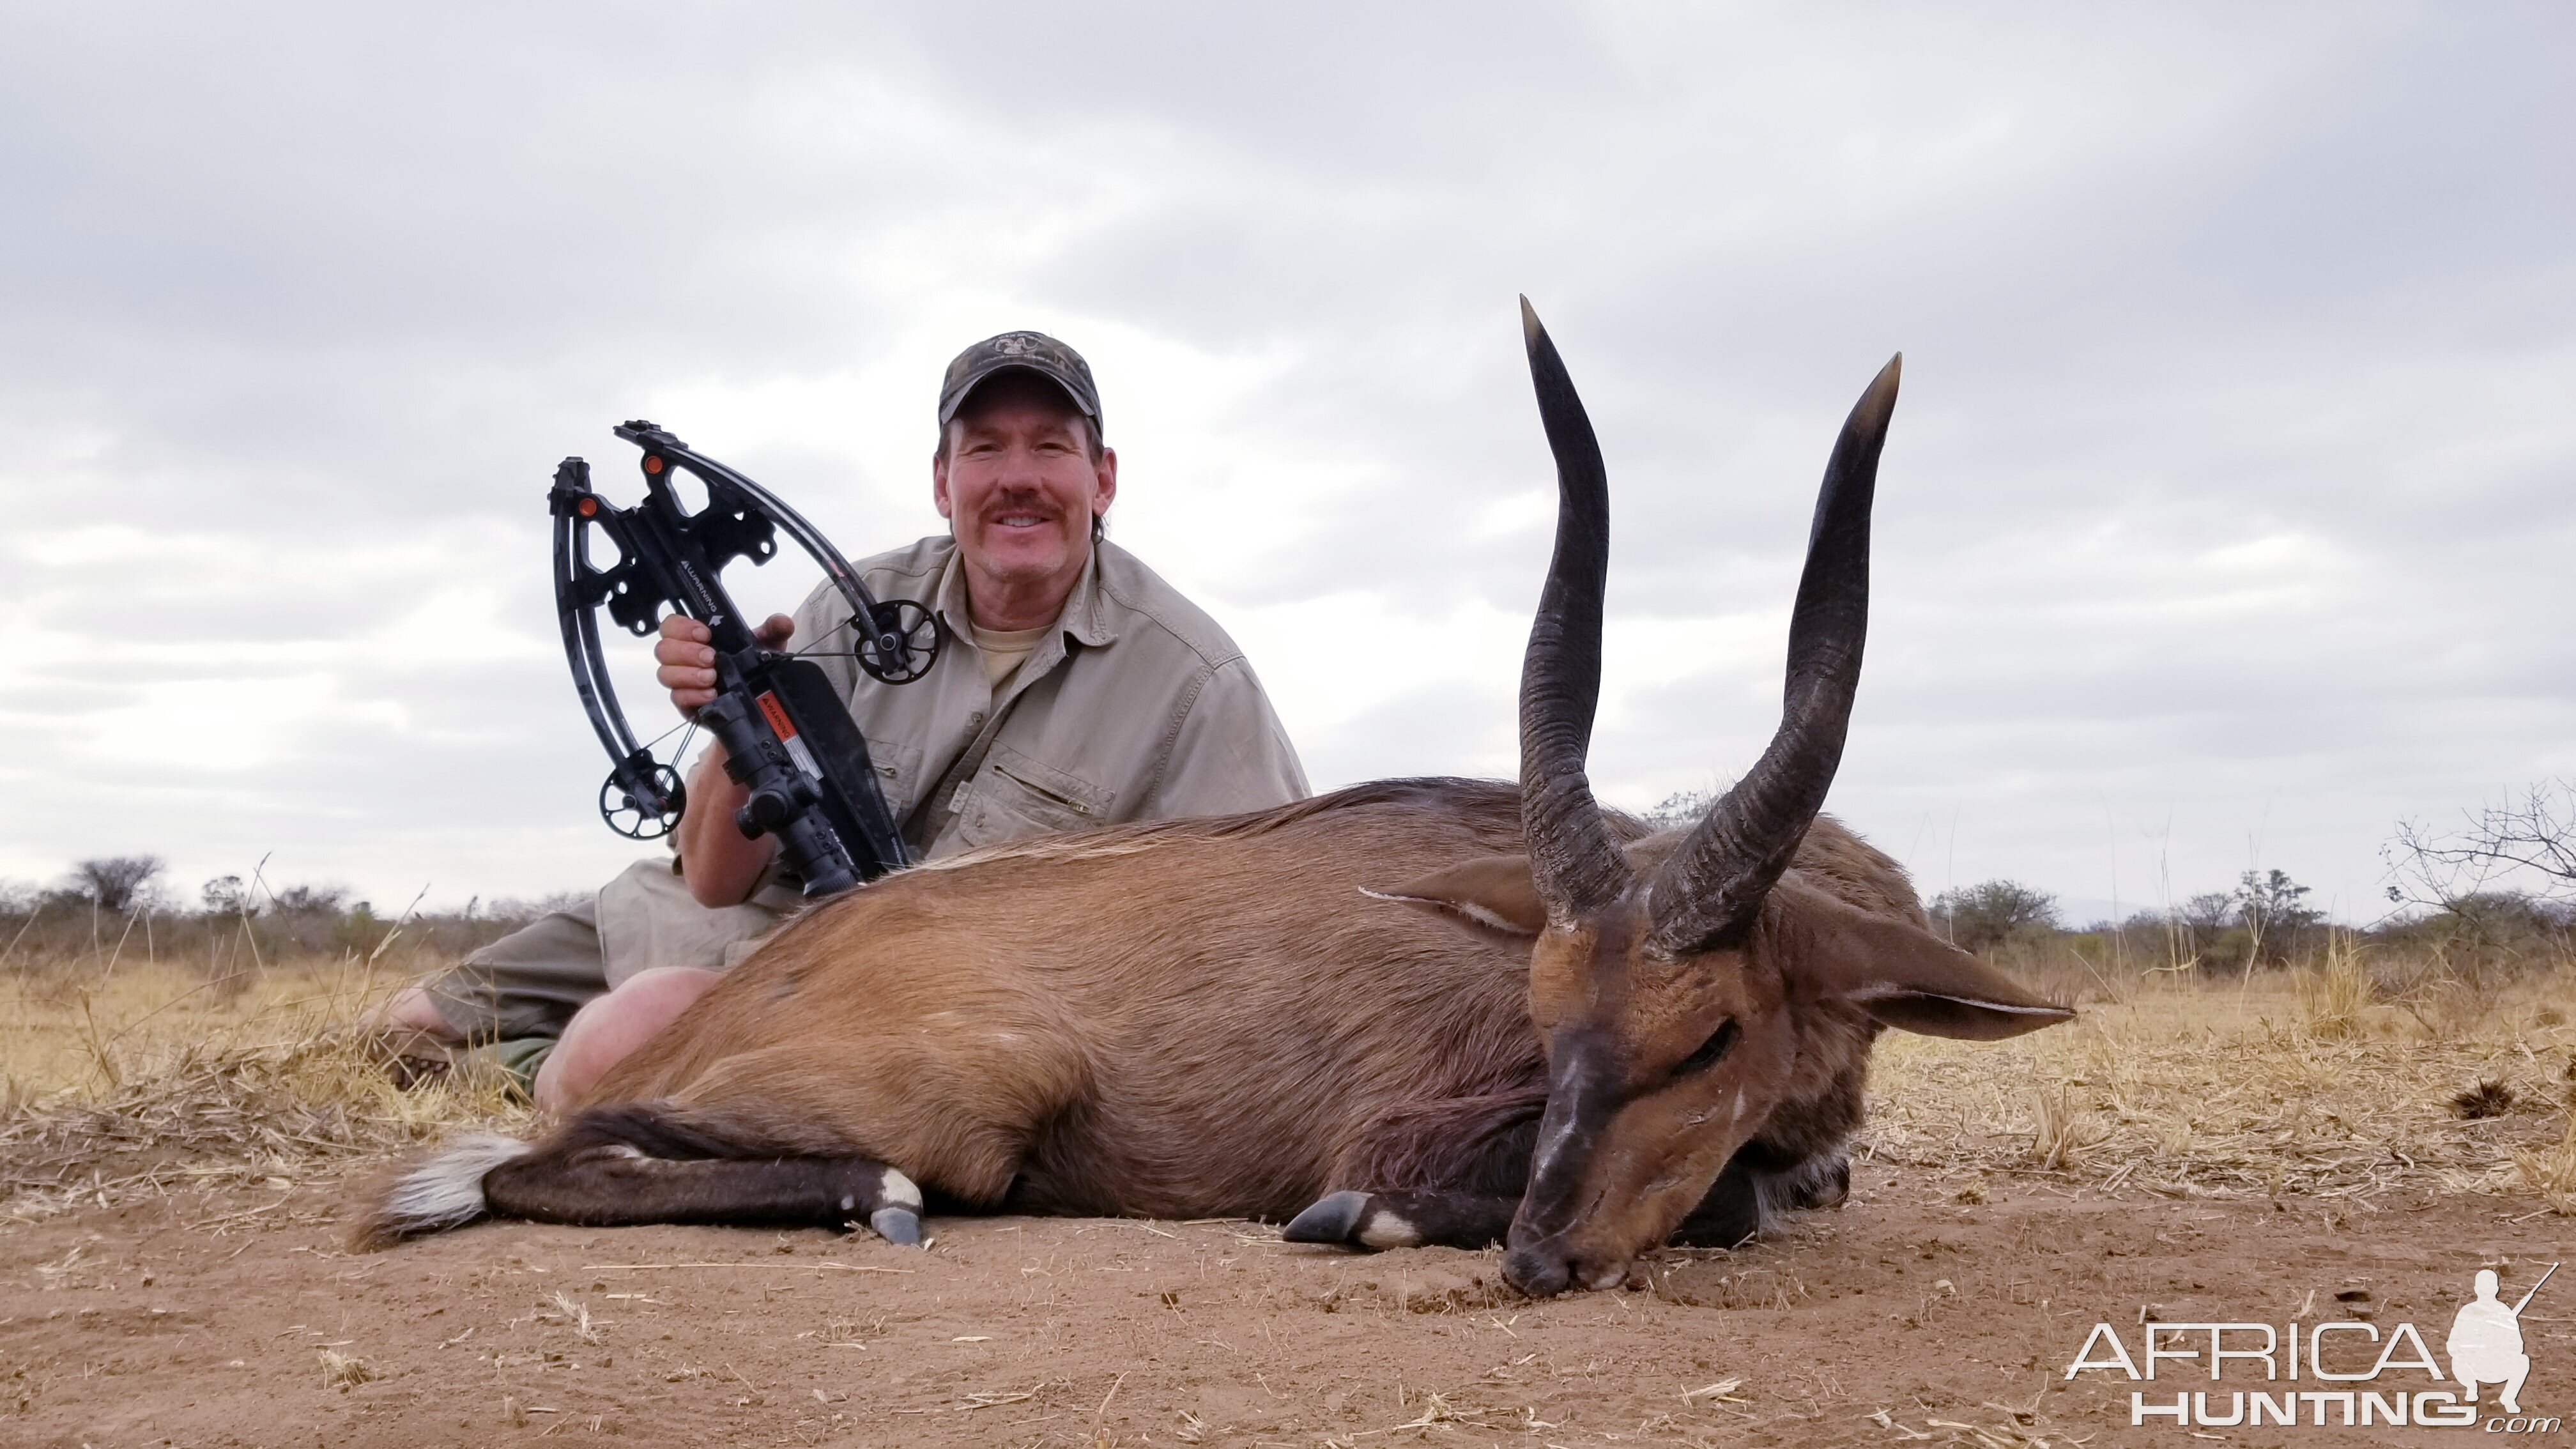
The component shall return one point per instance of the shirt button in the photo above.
(976, 718)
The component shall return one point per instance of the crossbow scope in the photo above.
(788, 737)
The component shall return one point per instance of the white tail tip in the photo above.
(445, 1191)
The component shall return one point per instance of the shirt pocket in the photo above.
(1016, 796)
(898, 767)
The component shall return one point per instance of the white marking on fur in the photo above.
(849, 1204)
(1882, 993)
(1469, 909)
(447, 1190)
(896, 1190)
(1385, 1230)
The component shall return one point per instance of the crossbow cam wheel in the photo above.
(903, 645)
(637, 820)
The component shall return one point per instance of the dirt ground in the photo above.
(231, 1317)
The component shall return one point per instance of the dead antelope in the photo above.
(1582, 1039)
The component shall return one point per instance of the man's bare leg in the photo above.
(411, 1010)
(602, 1033)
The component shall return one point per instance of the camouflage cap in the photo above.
(1028, 352)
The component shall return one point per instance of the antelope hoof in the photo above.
(1352, 1220)
(1335, 1218)
(897, 1225)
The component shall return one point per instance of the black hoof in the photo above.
(897, 1225)
(1335, 1218)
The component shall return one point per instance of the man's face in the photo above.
(1018, 485)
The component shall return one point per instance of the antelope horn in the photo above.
(1709, 891)
(1575, 866)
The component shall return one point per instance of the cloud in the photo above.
(2220, 525)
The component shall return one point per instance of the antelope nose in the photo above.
(1537, 1271)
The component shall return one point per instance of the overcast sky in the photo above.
(2225, 519)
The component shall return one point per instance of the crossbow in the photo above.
(788, 737)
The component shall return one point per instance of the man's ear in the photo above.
(1898, 972)
(1493, 896)
(939, 478)
(1107, 476)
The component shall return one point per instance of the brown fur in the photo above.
(1138, 1020)
(1179, 1019)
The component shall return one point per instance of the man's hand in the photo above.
(688, 659)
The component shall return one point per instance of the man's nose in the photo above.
(1019, 468)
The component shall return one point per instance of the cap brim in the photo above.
(949, 408)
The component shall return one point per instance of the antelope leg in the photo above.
(614, 1166)
(1730, 1214)
(1404, 1219)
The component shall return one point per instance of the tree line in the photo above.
(127, 907)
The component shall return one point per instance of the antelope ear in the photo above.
(1901, 974)
(1492, 896)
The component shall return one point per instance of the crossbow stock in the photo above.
(788, 737)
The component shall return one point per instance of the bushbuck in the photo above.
(1415, 1011)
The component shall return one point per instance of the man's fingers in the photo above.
(680, 653)
(677, 677)
(685, 629)
(774, 631)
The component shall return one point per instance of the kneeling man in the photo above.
(1077, 689)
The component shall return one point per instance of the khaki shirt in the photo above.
(1136, 706)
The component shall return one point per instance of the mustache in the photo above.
(1021, 503)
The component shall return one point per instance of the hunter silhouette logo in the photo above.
(2362, 1375)
(2486, 1341)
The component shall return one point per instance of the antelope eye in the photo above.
(1711, 1051)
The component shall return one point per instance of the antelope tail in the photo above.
(441, 1191)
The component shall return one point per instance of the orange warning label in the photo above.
(776, 714)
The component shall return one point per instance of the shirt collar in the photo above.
(1085, 617)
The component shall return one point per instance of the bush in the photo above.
(2490, 935)
(1982, 917)
(1680, 808)
(116, 884)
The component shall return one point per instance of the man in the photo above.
(2486, 1344)
(1076, 689)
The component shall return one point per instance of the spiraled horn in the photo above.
(1709, 891)
(1574, 864)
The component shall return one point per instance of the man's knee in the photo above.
(412, 1010)
(604, 1032)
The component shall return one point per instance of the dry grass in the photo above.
(2321, 1085)
(131, 1083)
(2336, 994)
(2549, 1173)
